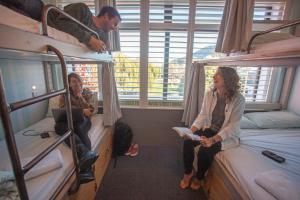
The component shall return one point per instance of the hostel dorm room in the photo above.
(76, 87)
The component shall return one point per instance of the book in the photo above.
(186, 133)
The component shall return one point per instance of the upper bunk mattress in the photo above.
(276, 42)
(246, 163)
(14, 19)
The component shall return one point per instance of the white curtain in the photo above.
(194, 93)
(111, 107)
(236, 26)
(114, 36)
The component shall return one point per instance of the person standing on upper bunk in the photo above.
(83, 144)
(107, 20)
(217, 124)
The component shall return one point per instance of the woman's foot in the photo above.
(196, 184)
(185, 182)
(133, 150)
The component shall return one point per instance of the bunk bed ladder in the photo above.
(6, 109)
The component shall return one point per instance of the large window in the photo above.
(151, 68)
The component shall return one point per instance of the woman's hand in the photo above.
(206, 142)
(193, 129)
(87, 112)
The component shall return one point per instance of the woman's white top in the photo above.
(230, 129)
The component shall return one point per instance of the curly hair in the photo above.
(231, 81)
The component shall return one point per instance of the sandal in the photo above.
(185, 181)
(196, 184)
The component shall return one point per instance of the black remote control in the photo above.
(273, 156)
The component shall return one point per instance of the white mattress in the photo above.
(246, 162)
(11, 18)
(290, 44)
(43, 186)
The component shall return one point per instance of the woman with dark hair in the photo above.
(217, 124)
(83, 143)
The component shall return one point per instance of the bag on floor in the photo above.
(122, 138)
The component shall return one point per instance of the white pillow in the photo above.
(274, 119)
(53, 103)
(247, 124)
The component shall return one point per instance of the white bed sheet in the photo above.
(41, 188)
(286, 45)
(246, 162)
(14, 19)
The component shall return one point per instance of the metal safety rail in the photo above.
(49, 7)
(6, 109)
(291, 24)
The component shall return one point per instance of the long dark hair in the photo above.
(74, 75)
(231, 81)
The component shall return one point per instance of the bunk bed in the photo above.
(235, 173)
(23, 38)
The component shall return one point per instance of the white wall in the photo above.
(294, 103)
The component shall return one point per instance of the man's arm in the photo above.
(81, 12)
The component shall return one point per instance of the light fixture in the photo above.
(33, 87)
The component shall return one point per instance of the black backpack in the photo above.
(122, 139)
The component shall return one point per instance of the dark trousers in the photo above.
(205, 154)
(82, 140)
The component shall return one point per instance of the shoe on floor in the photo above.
(196, 184)
(185, 181)
(133, 150)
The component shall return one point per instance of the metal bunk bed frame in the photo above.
(290, 58)
(7, 108)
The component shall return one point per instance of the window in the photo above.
(127, 61)
(255, 82)
(88, 73)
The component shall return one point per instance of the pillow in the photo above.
(274, 119)
(53, 103)
(247, 124)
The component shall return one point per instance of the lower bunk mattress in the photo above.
(42, 185)
(255, 176)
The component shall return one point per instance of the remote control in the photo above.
(273, 156)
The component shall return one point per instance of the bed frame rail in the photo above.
(290, 24)
(6, 108)
(49, 7)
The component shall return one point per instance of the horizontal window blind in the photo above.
(269, 10)
(254, 81)
(209, 12)
(166, 67)
(129, 10)
(88, 73)
(169, 11)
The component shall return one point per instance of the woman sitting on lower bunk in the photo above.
(217, 124)
(83, 144)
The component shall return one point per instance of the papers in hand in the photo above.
(186, 133)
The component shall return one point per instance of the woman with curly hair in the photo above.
(217, 124)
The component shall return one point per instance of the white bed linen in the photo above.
(244, 163)
(41, 188)
(286, 45)
(14, 19)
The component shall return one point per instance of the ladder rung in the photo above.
(44, 153)
(20, 104)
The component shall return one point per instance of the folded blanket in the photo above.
(51, 162)
(8, 189)
(279, 184)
